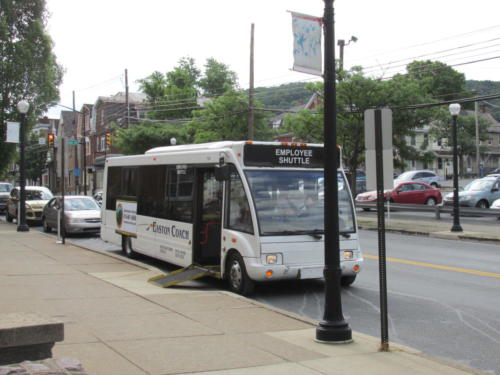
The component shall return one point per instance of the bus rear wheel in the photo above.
(127, 247)
(239, 282)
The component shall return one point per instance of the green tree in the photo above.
(217, 78)
(142, 137)
(438, 79)
(28, 67)
(355, 94)
(466, 134)
(225, 118)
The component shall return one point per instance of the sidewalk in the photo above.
(117, 323)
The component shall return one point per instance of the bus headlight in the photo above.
(348, 255)
(276, 258)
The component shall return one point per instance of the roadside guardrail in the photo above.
(438, 209)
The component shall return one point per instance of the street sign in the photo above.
(387, 153)
(73, 142)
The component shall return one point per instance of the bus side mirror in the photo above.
(222, 173)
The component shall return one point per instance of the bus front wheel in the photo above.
(347, 280)
(239, 282)
(127, 247)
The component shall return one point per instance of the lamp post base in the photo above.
(456, 228)
(333, 333)
(23, 228)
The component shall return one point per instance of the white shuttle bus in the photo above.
(243, 211)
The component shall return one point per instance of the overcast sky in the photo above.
(96, 40)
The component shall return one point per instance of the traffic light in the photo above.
(108, 139)
(50, 139)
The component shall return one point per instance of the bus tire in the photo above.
(127, 249)
(347, 280)
(237, 276)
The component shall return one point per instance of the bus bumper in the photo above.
(267, 272)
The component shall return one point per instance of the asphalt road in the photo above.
(443, 295)
(452, 312)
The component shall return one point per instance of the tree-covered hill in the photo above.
(283, 96)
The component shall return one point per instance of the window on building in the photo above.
(440, 163)
(413, 141)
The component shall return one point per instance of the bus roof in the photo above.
(221, 145)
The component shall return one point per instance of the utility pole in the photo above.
(478, 160)
(126, 98)
(84, 153)
(341, 43)
(251, 117)
(77, 178)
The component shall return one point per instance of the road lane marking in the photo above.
(437, 266)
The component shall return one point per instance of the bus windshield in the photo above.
(292, 202)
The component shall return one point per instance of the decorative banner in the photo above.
(12, 132)
(307, 43)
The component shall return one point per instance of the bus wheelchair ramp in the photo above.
(191, 272)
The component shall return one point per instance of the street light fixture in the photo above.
(454, 111)
(23, 107)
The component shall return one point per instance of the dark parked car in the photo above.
(406, 192)
(82, 214)
(5, 189)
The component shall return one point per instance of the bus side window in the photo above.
(238, 216)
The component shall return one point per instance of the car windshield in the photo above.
(292, 202)
(80, 204)
(479, 185)
(34, 195)
(4, 188)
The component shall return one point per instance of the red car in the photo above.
(406, 192)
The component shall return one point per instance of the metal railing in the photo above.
(438, 209)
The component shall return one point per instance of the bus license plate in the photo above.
(311, 273)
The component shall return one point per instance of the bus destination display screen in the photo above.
(283, 156)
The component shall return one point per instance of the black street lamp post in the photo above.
(454, 111)
(23, 107)
(333, 328)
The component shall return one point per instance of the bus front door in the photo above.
(208, 244)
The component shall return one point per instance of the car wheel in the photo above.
(127, 247)
(434, 185)
(347, 280)
(430, 201)
(239, 282)
(482, 204)
(46, 227)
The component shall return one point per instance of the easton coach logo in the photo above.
(119, 215)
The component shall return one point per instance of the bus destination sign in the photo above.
(283, 156)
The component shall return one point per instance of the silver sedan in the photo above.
(82, 214)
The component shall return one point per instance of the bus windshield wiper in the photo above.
(315, 233)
